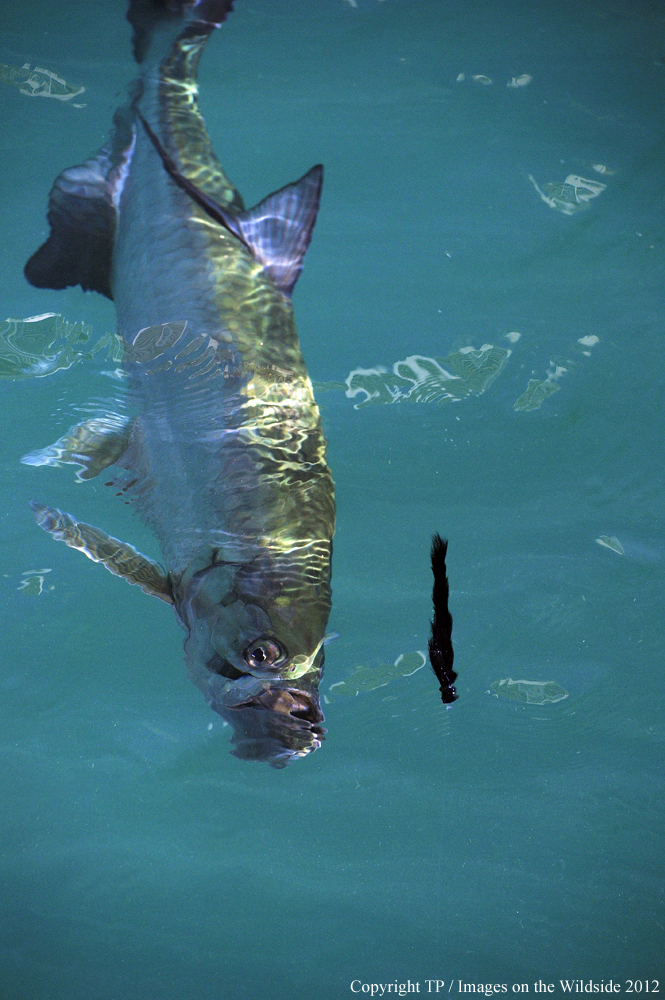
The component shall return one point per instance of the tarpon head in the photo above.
(255, 647)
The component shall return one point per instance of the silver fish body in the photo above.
(225, 455)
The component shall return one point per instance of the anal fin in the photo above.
(93, 445)
(120, 558)
(277, 231)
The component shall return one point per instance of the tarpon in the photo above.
(224, 455)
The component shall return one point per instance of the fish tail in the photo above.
(171, 19)
(169, 37)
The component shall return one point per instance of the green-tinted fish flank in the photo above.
(224, 456)
(188, 140)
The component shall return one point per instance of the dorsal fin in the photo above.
(83, 214)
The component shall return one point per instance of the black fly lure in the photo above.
(441, 653)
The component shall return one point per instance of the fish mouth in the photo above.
(268, 693)
(288, 702)
(276, 725)
(272, 720)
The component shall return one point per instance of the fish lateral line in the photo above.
(276, 232)
(208, 205)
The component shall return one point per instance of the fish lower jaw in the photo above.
(260, 694)
(291, 702)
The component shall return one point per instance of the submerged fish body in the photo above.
(225, 455)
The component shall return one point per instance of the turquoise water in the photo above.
(500, 840)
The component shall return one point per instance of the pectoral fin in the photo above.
(119, 558)
(92, 445)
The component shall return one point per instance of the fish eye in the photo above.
(264, 653)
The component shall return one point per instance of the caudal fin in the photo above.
(148, 16)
